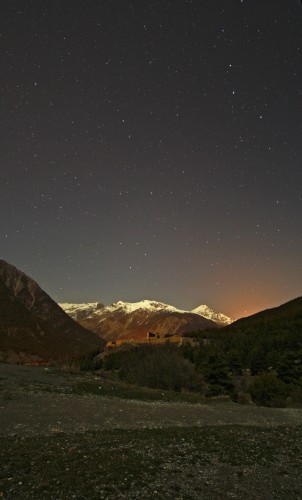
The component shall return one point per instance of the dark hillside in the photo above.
(289, 311)
(32, 326)
(260, 355)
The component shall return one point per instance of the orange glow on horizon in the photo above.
(253, 305)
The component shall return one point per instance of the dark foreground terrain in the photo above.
(71, 437)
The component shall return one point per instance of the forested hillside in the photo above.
(256, 359)
(266, 348)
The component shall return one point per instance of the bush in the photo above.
(295, 397)
(158, 367)
(268, 390)
(243, 398)
(87, 362)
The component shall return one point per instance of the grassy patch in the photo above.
(113, 388)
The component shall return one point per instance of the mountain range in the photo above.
(33, 328)
(125, 320)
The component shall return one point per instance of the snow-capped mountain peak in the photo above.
(145, 305)
(130, 320)
(97, 311)
(208, 313)
(79, 311)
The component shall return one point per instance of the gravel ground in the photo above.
(56, 443)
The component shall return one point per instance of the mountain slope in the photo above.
(33, 326)
(285, 312)
(134, 320)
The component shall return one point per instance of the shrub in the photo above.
(87, 362)
(243, 398)
(268, 390)
(295, 397)
(158, 367)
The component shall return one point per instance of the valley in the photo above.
(141, 420)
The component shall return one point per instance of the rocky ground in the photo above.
(70, 436)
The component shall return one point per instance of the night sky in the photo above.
(152, 149)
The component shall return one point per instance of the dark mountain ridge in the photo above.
(258, 357)
(32, 326)
(285, 312)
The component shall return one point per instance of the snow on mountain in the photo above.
(80, 311)
(208, 313)
(147, 305)
(77, 311)
(136, 319)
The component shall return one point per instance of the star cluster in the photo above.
(152, 149)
